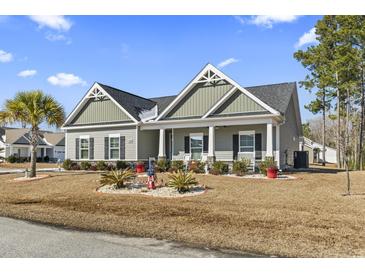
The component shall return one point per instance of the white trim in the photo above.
(116, 135)
(84, 137)
(277, 144)
(220, 102)
(269, 137)
(210, 67)
(66, 145)
(88, 95)
(98, 126)
(137, 134)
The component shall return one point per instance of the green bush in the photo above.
(182, 181)
(46, 159)
(85, 165)
(101, 165)
(121, 165)
(197, 166)
(75, 166)
(219, 168)
(12, 159)
(176, 165)
(162, 165)
(241, 167)
(268, 162)
(117, 177)
(67, 164)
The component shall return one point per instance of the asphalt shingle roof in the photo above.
(163, 102)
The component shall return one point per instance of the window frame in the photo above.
(110, 148)
(246, 133)
(86, 137)
(198, 134)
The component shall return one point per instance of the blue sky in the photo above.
(147, 55)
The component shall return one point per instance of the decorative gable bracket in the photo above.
(97, 94)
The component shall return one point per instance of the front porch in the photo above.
(221, 143)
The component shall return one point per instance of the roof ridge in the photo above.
(127, 92)
(275, 84)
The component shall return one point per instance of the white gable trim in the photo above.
(221, 75)
(89, 95)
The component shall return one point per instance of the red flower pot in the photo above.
(140, 167)
(272, 172)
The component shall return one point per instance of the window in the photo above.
(84, 148)
(247, 142)
(114, 148)
(196, 146)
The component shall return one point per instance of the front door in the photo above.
(196, 147)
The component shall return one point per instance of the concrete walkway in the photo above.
(24, 239)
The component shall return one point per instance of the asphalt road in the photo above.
(28, 240)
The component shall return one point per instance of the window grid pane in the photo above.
(247, 143)
(114, 142)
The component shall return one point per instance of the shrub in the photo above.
(121, 165)
(85, 165)
(162, 165)
(176, 165)
(101, 165)
(75, 166)
(93, 168)
(197, 166)
(12, 159)
(268, 162)
(240, 167)
(46, 159)
(219, 168)
(182, 181)
(67, 164)
(117, 177)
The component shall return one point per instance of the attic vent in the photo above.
(210, 77)
(97, 94)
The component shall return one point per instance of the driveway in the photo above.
(24, 239)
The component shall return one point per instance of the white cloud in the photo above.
(56, 22)
(268, 21)
(5, 57)
(227, 62)
(307, 38)
(58, 37)
(27, 73)
(65, 80)
(239, 19)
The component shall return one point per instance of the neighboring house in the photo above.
(212, 118)
(16, 141)
(315, 152)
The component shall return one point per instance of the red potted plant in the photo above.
(140, 167)
(272, 171)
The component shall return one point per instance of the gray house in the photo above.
(212, 118)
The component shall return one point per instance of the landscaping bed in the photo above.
(303, 217)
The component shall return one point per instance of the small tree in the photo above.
(32, 108)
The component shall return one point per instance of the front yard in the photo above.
(305, 217)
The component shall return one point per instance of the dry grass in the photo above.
(307, 217)
(26, 165)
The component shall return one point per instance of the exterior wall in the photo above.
(289, 135)
(330, 153)
(100, 111)
(310, 153)
(148, 141)
(59, 153)
(223, 140)
(99, 134)
(239, 103)
(199, 100)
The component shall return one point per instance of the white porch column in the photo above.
(277, 145)
(211, 142)
(269, 140)
(162, 145)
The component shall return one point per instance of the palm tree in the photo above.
(33, 108)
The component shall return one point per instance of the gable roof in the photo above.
(132, 103)
(20, 136)
(56, 139)
(163, 102)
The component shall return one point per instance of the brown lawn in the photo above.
(27, 165)
(306, 217)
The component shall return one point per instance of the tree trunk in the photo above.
(34, 144)
(346, 154)
(324, 130)
(338, 152)
(362, 112)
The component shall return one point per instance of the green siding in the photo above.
(239, 103)
(199, 100)
(100, 111)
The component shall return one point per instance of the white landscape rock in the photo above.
(141, 189)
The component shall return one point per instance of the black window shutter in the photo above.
(77, 146)
(106, 148)
(91, 157)
(258, 146)
(186, 144)
(235, 146)
(122, 148)
(205, 143)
